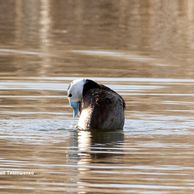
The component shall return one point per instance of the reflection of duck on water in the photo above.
(95, 150)
(99, 144)
(99, 107)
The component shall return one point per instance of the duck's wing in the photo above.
(108, 89)
(104, 109)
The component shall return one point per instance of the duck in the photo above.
(97, 106)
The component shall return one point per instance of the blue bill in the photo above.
(75, 106)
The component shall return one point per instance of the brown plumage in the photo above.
(101, 108)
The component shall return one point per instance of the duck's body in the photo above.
(100, 107)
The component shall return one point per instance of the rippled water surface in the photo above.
(141, 49)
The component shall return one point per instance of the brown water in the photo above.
(142, 49)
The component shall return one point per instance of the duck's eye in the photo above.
(70, 95)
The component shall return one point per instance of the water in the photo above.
(141, 49)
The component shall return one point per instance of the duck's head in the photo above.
(75, 93)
